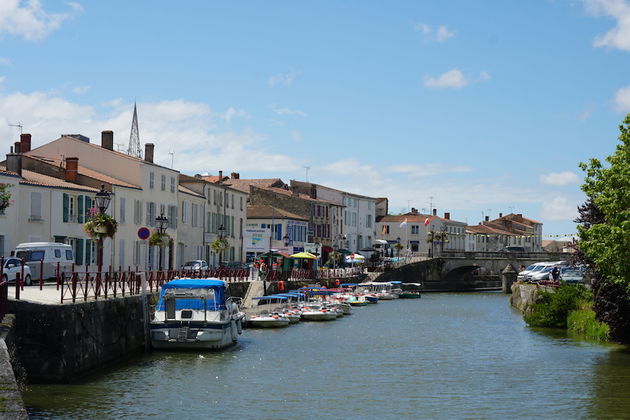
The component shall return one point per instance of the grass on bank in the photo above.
(582, 321)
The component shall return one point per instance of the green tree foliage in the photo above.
(604, 235)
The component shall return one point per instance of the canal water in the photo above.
(443, 356)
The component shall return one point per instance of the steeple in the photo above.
(134, 138)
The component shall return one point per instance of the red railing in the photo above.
(4, 291)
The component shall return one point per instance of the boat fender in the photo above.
(281, 286)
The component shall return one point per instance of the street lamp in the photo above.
(221, 229)
(286, 240)
(102, 200)
(398, 246)
(162, 223)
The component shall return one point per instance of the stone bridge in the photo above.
(460, 271)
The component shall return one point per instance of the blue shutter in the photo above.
(88, 206)
(79, 252)
(66, 204)
(88, 251)
(80, 212)
(279, 235)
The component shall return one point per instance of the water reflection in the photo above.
(443, 356)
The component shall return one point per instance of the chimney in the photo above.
(148, 152)
(313, 193)
(500, 215)
(233, 175)
(107, 139)
(25, 143)
(435, 212)
(16, 146)
(220, 176)
(14, 163)
(72, 169)
(447, 216)
(237, 175)
(414, 210)
(487, 218)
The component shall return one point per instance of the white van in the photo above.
(51, 253)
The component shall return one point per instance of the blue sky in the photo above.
(480, 107)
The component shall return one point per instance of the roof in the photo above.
(413, 218)
(34, 178)
(244, 184)
(267, 212)
(487, 230)
(32, 152)
(188, 191)
(299, 195)
(90, 173)
(333, 189)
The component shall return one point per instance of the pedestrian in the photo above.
(555, 273)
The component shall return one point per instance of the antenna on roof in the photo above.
(134, 138)
(307, 168)
(172, 157)
(119, 145)
(19, 125)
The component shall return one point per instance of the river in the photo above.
(443, 356)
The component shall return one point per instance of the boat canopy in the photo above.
(196, 294)
(271, 297)
(395, 282)
(348, 284)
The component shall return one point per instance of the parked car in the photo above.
(13, 267)
(541, 275)
(195, 265)
(531, 269)
(513, 249)
(47, 255)
(572, 275)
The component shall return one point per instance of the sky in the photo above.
(474, 108)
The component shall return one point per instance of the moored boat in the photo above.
(195, 314)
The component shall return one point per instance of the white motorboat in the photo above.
(195, 314)
(272, 320)
(318, 313)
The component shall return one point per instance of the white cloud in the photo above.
(441, 34)
(484, 76)
(622, 99)
(586, 113)
(425, 170)
(282, 79)
(296, 136)
(232, 113)
(560, 178)
(1, 81)
(202, 138)
(80, 90)
(451, 79)
(5, 61)
(619, 36)
(559, 208)
(29, 20)
(287, 111)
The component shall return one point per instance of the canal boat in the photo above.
(269, 320)
(318, 313)
(195, 314)
(411, 293)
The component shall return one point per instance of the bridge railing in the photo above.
(542, 256)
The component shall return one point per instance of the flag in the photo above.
(426, 221)
(404, 223)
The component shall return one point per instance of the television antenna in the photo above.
(19, 125)
(307, 168)
(119, 145)
(172, 157)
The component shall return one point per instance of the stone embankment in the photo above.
(523, 296)
(11, 404)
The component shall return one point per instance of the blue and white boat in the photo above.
(195, 314)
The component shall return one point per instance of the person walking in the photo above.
(555, 273)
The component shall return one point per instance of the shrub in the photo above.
(552, 309)
(583, 321)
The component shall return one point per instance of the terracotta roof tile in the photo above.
(267, 212)
(188, 191)
(33, 178)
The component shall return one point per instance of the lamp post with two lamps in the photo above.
(161, 222)
(221, 230)
(102, 200)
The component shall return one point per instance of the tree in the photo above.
(604, 235)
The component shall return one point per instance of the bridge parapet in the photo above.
(479, 255)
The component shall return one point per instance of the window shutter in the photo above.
(66, 201)
(88, 251)
(36, 205)
(149, 221)
(79, 252)
(88, 206)
(80, 213)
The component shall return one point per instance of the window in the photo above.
(57, 253)
(123, 202)
(241, 203)
(137, 212)
(150, 214)
(232, 200)
(195, 215)
(69, 255)
(36, 206)
(185, 211)
(151, 180)
(415, 229)
(121, 253)
(172, 184)
(368, 220)
(163, 182)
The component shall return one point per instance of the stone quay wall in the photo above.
(523, 296)
(59, 343)
(11, 403)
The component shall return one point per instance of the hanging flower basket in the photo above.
(100, 226)
(161, 240)
(5, 196)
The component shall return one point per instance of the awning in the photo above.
(306, 255)
(326, 248)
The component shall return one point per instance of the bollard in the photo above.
(508, 277)
(41, 274)
(17, 286)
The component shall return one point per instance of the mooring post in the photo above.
(508, 277)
